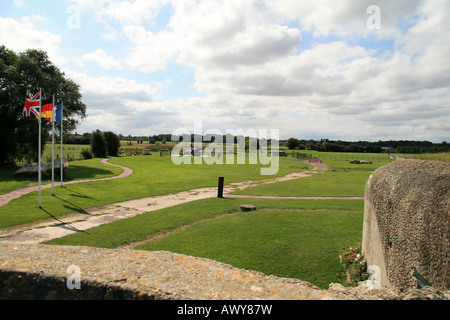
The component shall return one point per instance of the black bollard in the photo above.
(220, 190)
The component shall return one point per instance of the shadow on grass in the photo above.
(75, 172)
(77, 194)
(73, 206)
(63, 224)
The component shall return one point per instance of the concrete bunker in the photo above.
(406, 223)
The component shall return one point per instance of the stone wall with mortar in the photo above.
(406, 223)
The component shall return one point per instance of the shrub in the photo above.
(87, 154)
(292, 143)
(98, 144)
(112, 143)
(356, 266)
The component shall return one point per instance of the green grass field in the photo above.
(343, 180)
(288, 238)
(444, 156)
(78, 170)
(153, 175)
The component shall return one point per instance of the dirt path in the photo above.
(53, 228)
(7, 197)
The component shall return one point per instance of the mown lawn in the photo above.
(153, 175)
(343, 180)
(288, 238)
(287, 243)
(78, 170)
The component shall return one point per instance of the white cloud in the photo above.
(132, 13)
(89, 4)
(345, 80)
(102, 59)
(150, 52)
(229, 34)
(321, 70)
(254, 45)
(112, 90)
(20, 3)
(345, 17)
(23, 34)
(248, 60)
(127, 105)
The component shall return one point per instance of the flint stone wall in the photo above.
(406, 223)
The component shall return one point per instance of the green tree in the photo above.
(22, 75)
(292, 143)
(98, 144)
(112, 143)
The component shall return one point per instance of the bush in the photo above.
(292, 143)
(87, 154)
(112, 143)
(98, 144)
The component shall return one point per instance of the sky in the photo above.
(312, 69)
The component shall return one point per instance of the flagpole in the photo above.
(61, 161)
(39, 147)
(53, 146)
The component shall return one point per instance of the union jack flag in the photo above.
(31, 107)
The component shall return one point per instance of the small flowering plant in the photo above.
(355, 265)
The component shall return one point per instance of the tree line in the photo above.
(323, 145)
(398, 146)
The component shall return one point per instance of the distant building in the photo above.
(388, 149)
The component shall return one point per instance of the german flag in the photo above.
(47, 111)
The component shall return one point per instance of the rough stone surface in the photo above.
(406, 222)
(41, 272)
